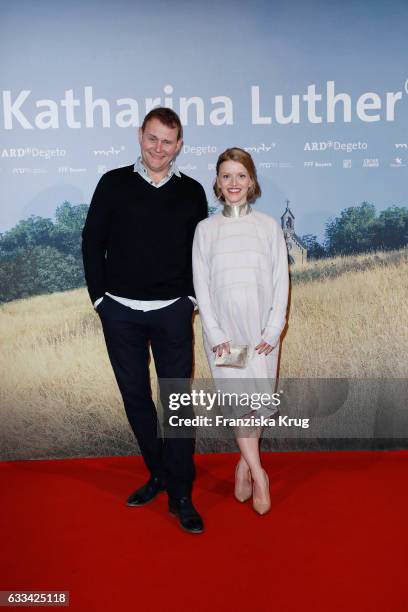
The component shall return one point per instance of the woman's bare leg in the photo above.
(250, 459)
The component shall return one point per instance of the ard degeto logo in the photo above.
(34, 152)
(335, 145)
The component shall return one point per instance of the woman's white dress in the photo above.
(240, 269)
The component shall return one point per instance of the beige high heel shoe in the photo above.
(243, 485)
(262, 505)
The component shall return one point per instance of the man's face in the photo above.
(158, 145)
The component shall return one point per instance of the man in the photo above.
(136, 249)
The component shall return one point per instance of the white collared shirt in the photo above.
(142, 170)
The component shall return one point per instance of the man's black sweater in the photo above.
(137, 238)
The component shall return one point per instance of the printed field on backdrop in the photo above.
(348, 318)
(317, 92)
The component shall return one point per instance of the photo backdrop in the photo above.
(317, 92)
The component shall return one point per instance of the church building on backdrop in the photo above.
(297, 250)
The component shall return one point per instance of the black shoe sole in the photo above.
(136, 505)
(183, 528)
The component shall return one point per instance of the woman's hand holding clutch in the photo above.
(236, 357)
(220, 348)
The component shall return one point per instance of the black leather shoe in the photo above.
(189, 519)
(147, 493)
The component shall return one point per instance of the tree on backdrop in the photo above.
(392, 228)
(41, 256)
(353, 231)
(314, 249)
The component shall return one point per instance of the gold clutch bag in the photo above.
(237, 358)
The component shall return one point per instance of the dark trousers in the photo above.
(127, 334)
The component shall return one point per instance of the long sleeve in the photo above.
(202, 206)
(280, 290)
(94, 240)
(201, 279)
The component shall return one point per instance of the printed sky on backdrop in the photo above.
(253, 63)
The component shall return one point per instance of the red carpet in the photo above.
(334, 539)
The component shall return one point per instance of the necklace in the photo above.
(236, 211)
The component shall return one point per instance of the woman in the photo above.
(240, 267)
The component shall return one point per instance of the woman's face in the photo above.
(234, 181)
